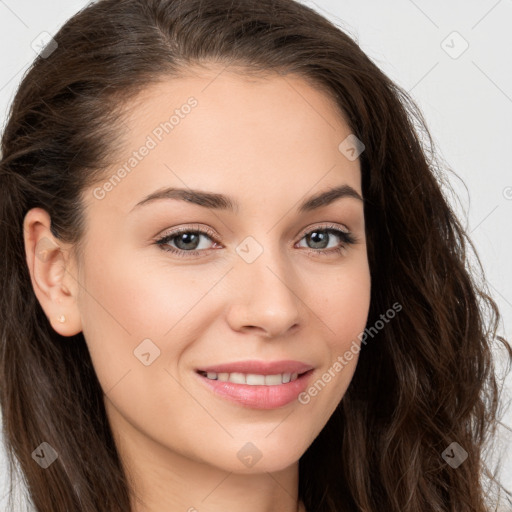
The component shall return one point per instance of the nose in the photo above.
(265, 300)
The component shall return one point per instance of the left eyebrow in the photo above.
(222, 202)
(329, 196)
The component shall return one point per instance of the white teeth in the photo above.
(273, 380)
(237, 378)
(253, 379)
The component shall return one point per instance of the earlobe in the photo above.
(49, 265)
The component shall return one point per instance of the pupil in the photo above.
(320, 238)
(192, 237)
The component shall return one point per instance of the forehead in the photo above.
(221, 131)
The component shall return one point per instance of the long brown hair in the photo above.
(424, 381)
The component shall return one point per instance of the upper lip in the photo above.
(259, 367)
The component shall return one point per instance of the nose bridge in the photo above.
(266, 295)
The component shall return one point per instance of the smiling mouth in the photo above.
(257, 391)
(253, 379)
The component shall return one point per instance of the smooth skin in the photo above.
(268, 143)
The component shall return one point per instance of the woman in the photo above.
(230, 276)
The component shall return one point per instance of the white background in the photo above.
(467, 103)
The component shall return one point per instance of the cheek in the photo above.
(128, 301)
(135, 326)
(141, 296)
(343, 303)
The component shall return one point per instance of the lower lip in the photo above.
(259, 397)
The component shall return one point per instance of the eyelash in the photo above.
(346, 237)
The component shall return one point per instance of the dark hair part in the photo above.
(425, 380)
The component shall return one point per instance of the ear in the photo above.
(52, 272)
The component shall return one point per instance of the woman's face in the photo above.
(263, 281)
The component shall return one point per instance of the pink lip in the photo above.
(259, 397)
(259, 367)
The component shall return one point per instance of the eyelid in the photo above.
(203, 229)
(324, 226)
